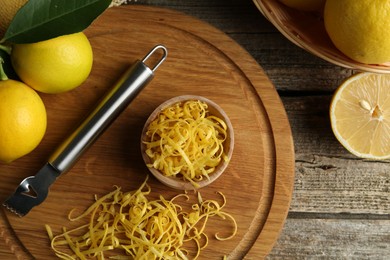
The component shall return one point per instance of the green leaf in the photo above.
(40, 20)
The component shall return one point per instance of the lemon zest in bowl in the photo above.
(186, 140)
(129, 224)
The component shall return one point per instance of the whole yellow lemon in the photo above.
(305, 5)
(360, 29)
(22, 120)
(8, 10)
(56, 65)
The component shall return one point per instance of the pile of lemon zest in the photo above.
(93, 206)
(184, 140)
(142, 228)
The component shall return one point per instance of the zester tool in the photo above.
(33, 190)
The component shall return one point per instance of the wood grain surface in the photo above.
(202, 61)
(323, 222)
(354, 229)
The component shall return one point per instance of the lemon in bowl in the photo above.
(187, 142)
(308, 30)
(360, 29)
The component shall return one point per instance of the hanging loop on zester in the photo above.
(152, 52)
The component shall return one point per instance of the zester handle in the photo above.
(109, 108)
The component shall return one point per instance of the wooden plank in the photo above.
(329, 184)
(327, 175)
(229, 16)
(329, 178)
(310, 123)
(289, 67)
(333, 239)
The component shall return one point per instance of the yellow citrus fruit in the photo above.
(8, 10)
(360, 29)
(22, 120)
(305, 5)
(55, 65)
(360, 115)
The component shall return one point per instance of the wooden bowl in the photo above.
(179, 183)
(307, 30)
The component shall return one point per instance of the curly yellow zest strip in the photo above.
(140, 227)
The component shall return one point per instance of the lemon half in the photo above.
(360, 115)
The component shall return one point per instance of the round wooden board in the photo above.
(258, 182)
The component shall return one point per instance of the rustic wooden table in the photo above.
(341, 204)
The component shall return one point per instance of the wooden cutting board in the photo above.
(202, 60)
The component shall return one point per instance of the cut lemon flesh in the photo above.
(360, 115)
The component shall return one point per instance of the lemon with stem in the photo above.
(23, 118)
